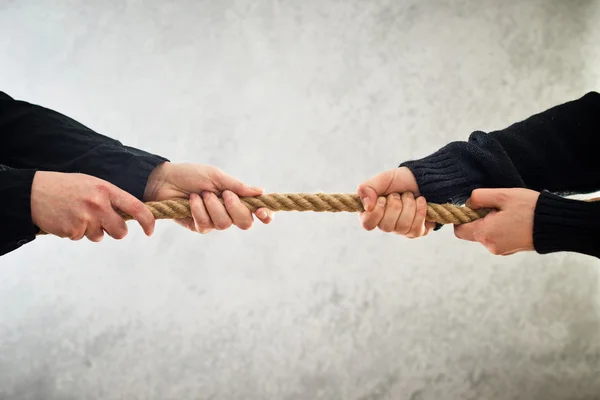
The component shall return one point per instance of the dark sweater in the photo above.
(553, 152)
(34, 138)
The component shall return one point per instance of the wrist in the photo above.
(410, 181)
(156, 180)
(440, 177)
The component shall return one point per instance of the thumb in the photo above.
(397, 180)
(228, 182)
(487, 198)
(369, 190)
(468, 231)
(367, 195)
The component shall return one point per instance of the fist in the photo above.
(76, 205)
(201, 184)
(390, 211)
(508, 229)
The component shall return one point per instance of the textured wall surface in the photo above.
(296, 96)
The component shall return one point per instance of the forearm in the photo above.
(17, 228)
(40, 138)
(553, 150)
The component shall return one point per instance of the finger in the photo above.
(224, 182)
(393, 210)
(418, 227)
(94, 233)
(469, 231)
(368, 197)
(216, 210)
(377, 185)
(115, 226)
(429, 225)
(127, 203)
(265, 215)
(487, 198)
(370, 220)
(239, 213)
(397, 180)
(201, 220)
(409, 210)
(77, 234)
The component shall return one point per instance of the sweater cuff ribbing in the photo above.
(562, 224)
(441, 178)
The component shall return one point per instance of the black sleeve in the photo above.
(551, 151)
(36, 138)
(15, 209)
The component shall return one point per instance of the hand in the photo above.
(503, 232)
(77, 205)
(190, 181)
(390, 212)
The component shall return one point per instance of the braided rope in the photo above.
(319, 202)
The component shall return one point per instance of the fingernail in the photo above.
(396, 196)
(381, 201)
(262, 214)
(256, 189)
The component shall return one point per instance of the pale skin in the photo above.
(75, 206)
(505, 231)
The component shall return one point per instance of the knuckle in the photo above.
(502, 197)
(215, 174)
(138, 208)
(102, 187)
(394, 200)
(95, 201)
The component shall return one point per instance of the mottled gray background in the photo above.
(296, 96)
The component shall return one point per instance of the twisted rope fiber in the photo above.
(319, 202)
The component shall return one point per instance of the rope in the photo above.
(319, 202)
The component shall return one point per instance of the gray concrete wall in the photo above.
(296, 96)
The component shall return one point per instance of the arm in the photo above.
(34, 137)
(552, 151)
(96, 175)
